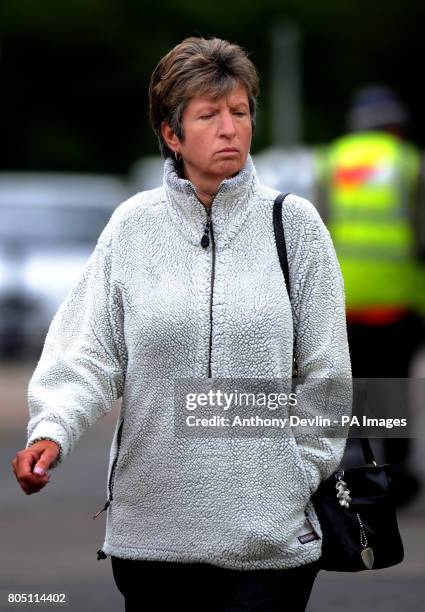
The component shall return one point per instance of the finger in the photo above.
(30, 489)
(24, 472)
(23, 466)
(25, 463)
(33, 482)
(13, 463)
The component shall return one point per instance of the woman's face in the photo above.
(217, 136)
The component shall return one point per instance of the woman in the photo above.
(185, 283)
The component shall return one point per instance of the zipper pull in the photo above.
(205, 240)
(105, 507)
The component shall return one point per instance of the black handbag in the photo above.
(355, 508)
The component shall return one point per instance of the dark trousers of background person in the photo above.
(200, 587)
(386, 351)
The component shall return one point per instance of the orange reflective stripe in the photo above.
(352, 176)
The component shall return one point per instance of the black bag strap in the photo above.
(279, 234)
(368, 454)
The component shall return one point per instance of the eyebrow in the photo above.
(210, 105)
(241, 103)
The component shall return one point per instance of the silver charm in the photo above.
(368, 557)
(343, 494)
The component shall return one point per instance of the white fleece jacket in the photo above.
(153, 305)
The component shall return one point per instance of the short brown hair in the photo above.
(197, 66)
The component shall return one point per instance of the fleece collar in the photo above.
(230, 207)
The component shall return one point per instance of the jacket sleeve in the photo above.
(321, 346)
(81, 370)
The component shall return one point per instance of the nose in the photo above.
(227, 124)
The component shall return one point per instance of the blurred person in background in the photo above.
(185, 282)
(373, 204)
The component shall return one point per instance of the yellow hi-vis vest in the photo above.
(372, 181)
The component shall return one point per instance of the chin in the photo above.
(230, 168)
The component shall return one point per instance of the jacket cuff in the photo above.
(48, 430)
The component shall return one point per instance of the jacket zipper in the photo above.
(112, 475)
(205, 241)
(100, 554)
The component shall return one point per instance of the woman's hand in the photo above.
(31, 464)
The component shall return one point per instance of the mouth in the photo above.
(229, 150)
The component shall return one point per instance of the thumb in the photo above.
(43, 464)
(39, 469)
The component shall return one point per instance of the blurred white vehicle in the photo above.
(288, 170)
(146, 173)
(49, 224)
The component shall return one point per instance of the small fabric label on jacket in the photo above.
(311, 534)
(308, 537)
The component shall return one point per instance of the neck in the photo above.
(205, 197)
(205, 187)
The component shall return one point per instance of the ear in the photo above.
(169, 137)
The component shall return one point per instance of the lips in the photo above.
(228, 150)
